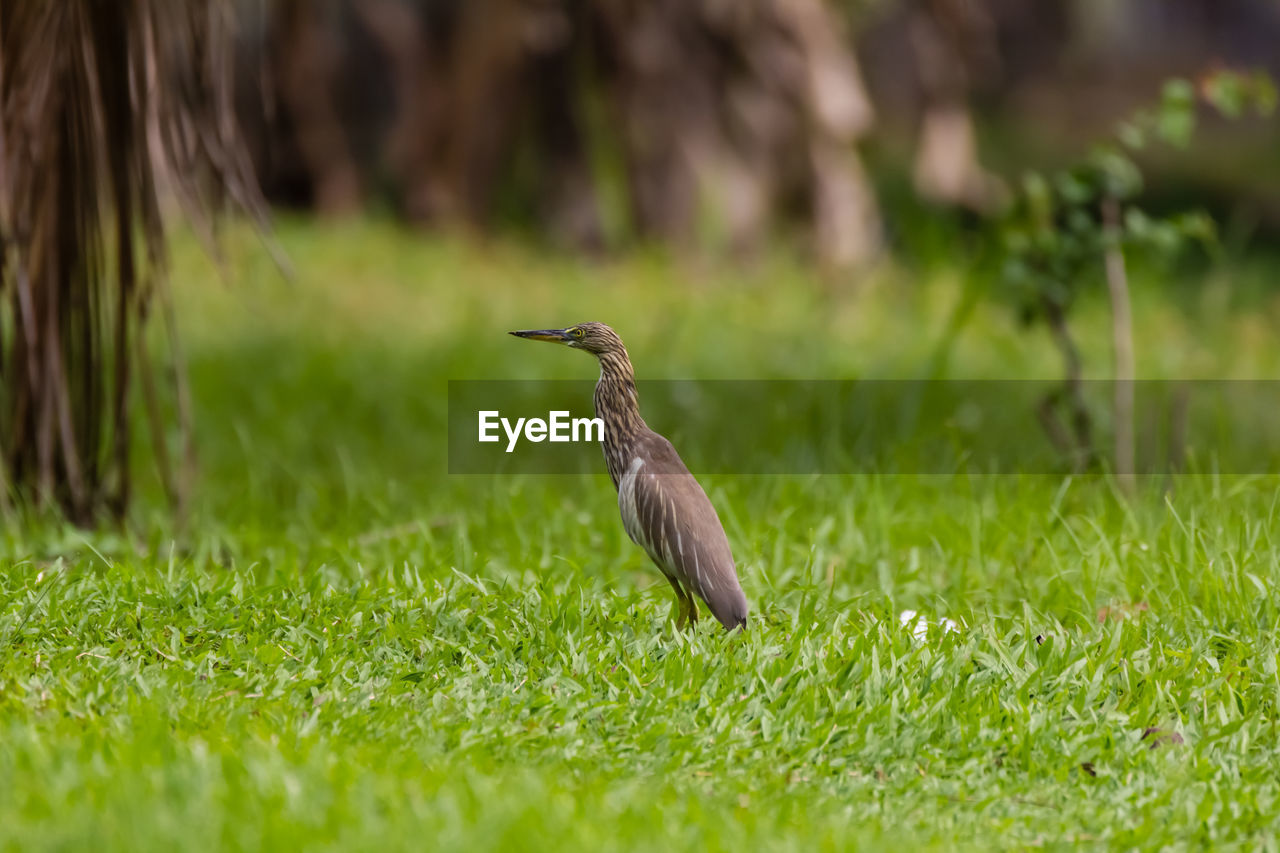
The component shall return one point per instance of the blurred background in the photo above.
(594, 125)
(1062, 190)
(248, 250)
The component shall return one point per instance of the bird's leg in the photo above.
(688, 610)
(679, 612)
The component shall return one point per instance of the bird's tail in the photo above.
(728, 605)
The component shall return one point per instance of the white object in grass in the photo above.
(920, 626)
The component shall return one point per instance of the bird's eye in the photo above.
(577, 333)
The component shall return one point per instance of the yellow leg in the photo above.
(686, 610)
(679, 612)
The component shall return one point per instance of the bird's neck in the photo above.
(615, 399)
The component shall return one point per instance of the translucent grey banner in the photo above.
(865, 426)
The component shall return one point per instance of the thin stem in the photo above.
(1122, 344)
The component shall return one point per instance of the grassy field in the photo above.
(345, 648)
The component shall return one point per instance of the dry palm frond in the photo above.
(102, 103)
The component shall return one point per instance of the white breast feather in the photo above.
(627, 503)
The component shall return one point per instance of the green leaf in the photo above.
(1131, 135)
(1118, 174)
(1228, 93)
(1176, 120)
(1264, 94)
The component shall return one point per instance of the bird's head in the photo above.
(595, 338)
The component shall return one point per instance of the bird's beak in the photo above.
(555, 336)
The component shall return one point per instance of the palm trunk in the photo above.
(100, 105)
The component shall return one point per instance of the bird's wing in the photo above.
(677, 526)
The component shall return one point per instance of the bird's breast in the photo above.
(627, 503)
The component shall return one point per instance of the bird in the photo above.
(664, 509)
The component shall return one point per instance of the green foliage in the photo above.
(1055, 235)
(1235, 95)
(347, 648)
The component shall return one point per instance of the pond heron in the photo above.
(664, 510)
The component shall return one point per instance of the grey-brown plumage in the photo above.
(664, 510)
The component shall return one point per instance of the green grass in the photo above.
(345, 648)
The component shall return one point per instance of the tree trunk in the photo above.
(100, 104)
(950, 38)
